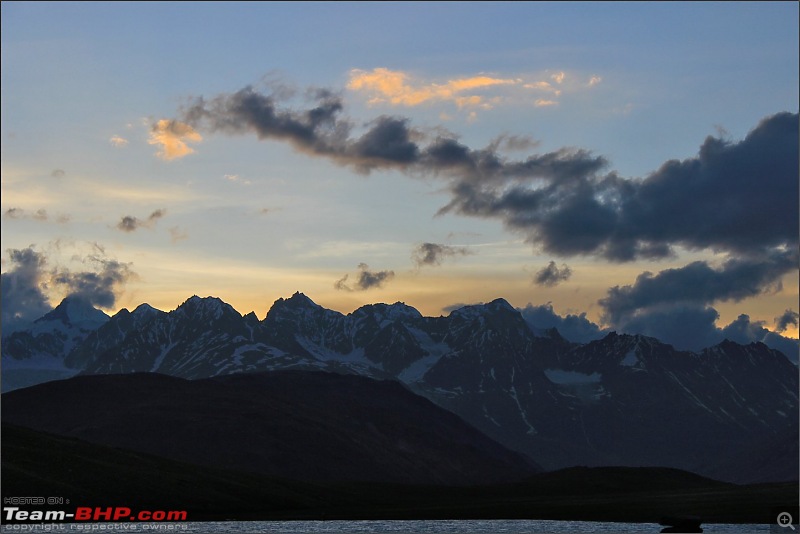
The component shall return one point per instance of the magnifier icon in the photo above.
(785, 519)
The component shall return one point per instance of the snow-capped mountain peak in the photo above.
(72, 311)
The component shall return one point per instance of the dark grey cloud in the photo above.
(789, 317)
(575, 328)
(551, 275)
(693, 327)
(699, 283)
(434, 253)
(129, 223)
(675, 304)
(365, 279)
(387, 142)
(559, 200)
(26, 286)
(23, 289)
(736, 197)
(101, 287)
(686, 326)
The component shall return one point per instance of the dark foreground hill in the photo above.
(36, 463)
(308, 426)
(728, 412)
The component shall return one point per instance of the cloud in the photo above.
(698, 284)
(23, 289)
(789, 317)
(237, 179)
(575, 328)
(129, 223)
(366, 279)
(716, 200)
(40, 215)
(100, 287)
(118, 141)
(58, 173)
(177, 234)
(543, 86)
(551, 275)
(397, 88)
(594, 80)
(543, 102)
(27, 285)
(693, 327)
(434, 254)
(172, 136)
(387, 142)
(512, 143)
(686, 326)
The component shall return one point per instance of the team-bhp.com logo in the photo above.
(86, 513)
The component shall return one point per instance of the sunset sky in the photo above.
(636, 162)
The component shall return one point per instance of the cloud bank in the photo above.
(29, 283)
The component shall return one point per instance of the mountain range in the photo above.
(729, 412)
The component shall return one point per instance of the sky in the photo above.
(601, 166)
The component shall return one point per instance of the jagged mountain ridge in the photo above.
(620, 400)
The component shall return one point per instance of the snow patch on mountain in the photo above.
(630, 359)
(563, 377)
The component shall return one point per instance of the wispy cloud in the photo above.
(551, 275)
(471, 93)
(429, 254)
(118, 142)
(789, 317)
(237, 179)
(398, 88)
(177, 234)
(40, 215)
(129, 223)
(365, 279)
(172, 136)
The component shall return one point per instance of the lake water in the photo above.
(494, 526)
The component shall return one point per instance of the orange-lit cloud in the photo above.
(399, 89)
(543, 86)
(172, 136)
(542, 102)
